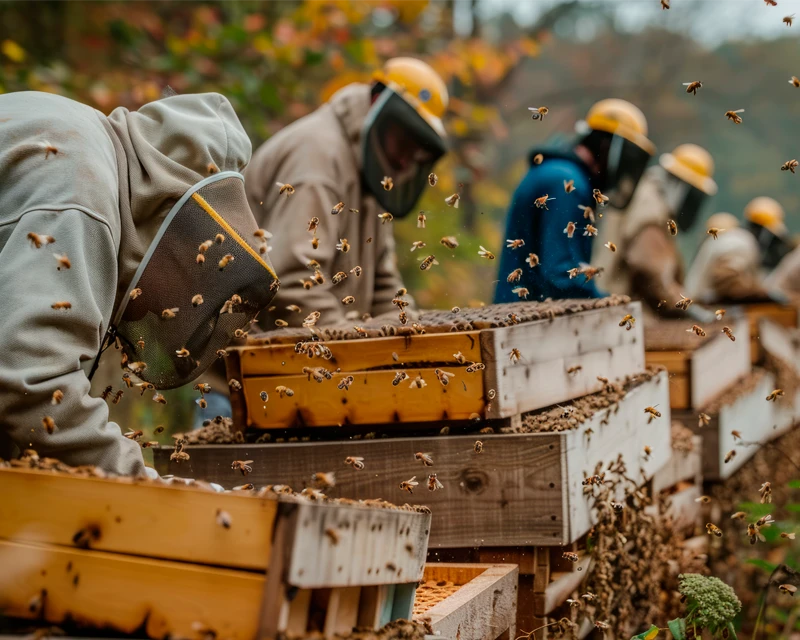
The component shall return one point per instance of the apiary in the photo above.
(173, 560)
(699, 366)
(493, 362)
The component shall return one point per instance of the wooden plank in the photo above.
(455, 572)
(718, 363)
(371, 605)
(482, 609)
(674, 361)
(778, 341)
(371, 399)
(403, 603)
(363, 355)
(684, 508)
(274, 610)
(561, 586)
(137, 518)
(541, 576)
(523, 557)
(128, 594)
(679, 393)
(342, 614)
(591, 340)
(297, 620)
(681, 467)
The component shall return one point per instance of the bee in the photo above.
(427, 263)
(200, 259)
(541, 203)
(63, 261)
(385, 217)
(787, 536)
(515, 244)
(387, 183)
(714, 232)
(202, 403)
(242, 465)
(318, 277)
(697, 329)
(538, 158)
(570, 229)
(338, 277)
(39, 241)
(610, 246)
(485, 253)
(569, 186)
(418, 383)
(245, 487)
(311, 319)
(765, 521)
(789, 165)
(355, 462)
(281, 323)
(478, 447)
(521, 292)
(599, 198)
(361, 331)
(433, 179)
(226, 260)
(571, 556)
(403, 318)
(719, 313)
(665, 4)
(599, 624)
(262, 234)
(133, 435)
(593, 480)
(452, 201)
(648, 450)
(538, 113)
(399, 377)
(776, 393)
(400, 303)
(337, 208)
(683, 303)
(514, 276)
(711, 528)
(628, 322)
(574, 369)
(49, 424)
(765, 492)
(421, 219)
(348, 300)
(234, 384)
(159, 398)
(573, 273)
(703, 499)
(202, 387)
(434, 483)
(514, 355)
(590, 272)
(282, 390)
(144, 386)
(532, 260)
(727, 331)
(449, 241)
(285, 189)
(107, 392)
(475, 366)
(169, 314)
(795, 81)
(788, 589)
(137, 367)
(264, 396)
(221, 353)
(730, 455)
(443, 376)
(692, 87)
(787, 20)
(734, 116)
(672, 227)
(739, 515)
(588, 596)
(61, 306)
(408, 485)
(344, 383)
(590, 231)
(324, 480)
(182, 353)
(771, 3)
(419, 244)
(754, 534)
(57, 397)
(703, 420)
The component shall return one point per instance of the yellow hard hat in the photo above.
(722, 220)
(622, 118)
(766, 212)
(420, 86)
(693, 165)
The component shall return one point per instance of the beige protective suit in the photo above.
(320, 156)
(786, 276)
(100, 187)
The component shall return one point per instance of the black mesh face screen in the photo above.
(186, 310)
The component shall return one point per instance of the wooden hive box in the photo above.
(779, 345)
(681, 482)
(561, 358)
(476, 601)
(154, 559)
(699, 368)
(783, 315)
(523, 489)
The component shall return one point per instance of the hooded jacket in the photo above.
(100, 187)
(320, 156)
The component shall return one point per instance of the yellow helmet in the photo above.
(621, 118)
(722, 220)
(766, 212)
(693, 165)
(420, 86)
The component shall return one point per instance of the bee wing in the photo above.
(738, 111)
(761, 537)
(686, 84)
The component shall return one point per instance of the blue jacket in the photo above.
(543, 232)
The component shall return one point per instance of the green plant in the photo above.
(710, 604)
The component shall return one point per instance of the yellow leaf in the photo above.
(13, 51)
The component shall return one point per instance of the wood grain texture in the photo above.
(561, 586)
(482, 609)
(371, 399)
(674, 361)
(719, 362)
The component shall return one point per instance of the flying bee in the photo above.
(451, 242)
(478, 447)
(776, 393)
(135, 293)
(485, 253)
(514, 355)
(739, 515)
(765, 521)
(771, 3)
(599, 198)
(418, 244)
(400, 303)
(787, 536)
(403, 318)
(418, 383)
(452, 201)
(795, 81)
(787, 20)
(343, 245)
(590, 231)
(427, 263)
(571, 556)
(385, 217)
(538, 113)
(765, 492)
(282, 390)
(226, 260)
(541, 203)
(521, 292)
(514, 276)
(703, 499)
(39, 241)
(588, 596)
(730, 455)
(337, 208)
(754, 534)
(703, 419)
(570, 229)
(432, 179)
(262, 234)
(234, 384)
(64, 261)
(202, 387)
(182, 353)
(610, 246)
(590, 272)
(421, 219)
(434, 483)
(137, 367)
(515, 244)
(264, 396)
(727, 331)
(285, 189)
(648, 450)
(789, 165)
(532, 260)
(692, 87)
(344, 383)
(324, 480)
(159, 398)
(219, 238)
(202, 403)
(245, 487)
(697, 330)
(683, 303)
(588, 213)
(338, 277)
(355, 462)
(711, 528)
(569, 186)
(318, 277)
(61, 306)
(399, 377)
(408, 485)
(387, 183)
(281, 323)
(734, 116)
(169, 314)
(719, 313)
(672, 227)
(573, 273)
(200, 259)
(242, 465)
(133, 435)
(714, 232)
(443, 376)
(788, 589)
(49, 424)
(664, 5)
(57, 397)
(311, 319)
(221, 353)
(628, 322)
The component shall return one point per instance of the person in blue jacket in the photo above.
(557, 207)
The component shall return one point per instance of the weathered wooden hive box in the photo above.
(780, 347)
(699, 367)
(524, 488)
(783, 315)
(680, 482)
(563, 347)
(178, 561)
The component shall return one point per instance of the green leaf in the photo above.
(793, 506)
(769, 567)
(733, 631)
(677, 628)
(651, 633)
(793, 484)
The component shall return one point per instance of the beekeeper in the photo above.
(101, 220)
